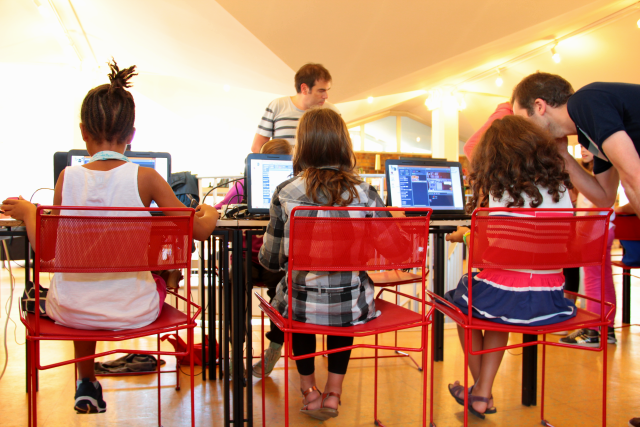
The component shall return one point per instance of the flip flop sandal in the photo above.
(472, 400)
(455, 389)
(329, 412)
(318, 414)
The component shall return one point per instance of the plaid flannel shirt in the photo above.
(332, 298)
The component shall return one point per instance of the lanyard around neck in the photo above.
(109, 155)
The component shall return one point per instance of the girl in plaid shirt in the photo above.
(324, 164)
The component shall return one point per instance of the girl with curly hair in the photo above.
(515, 165)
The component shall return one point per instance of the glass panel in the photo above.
(416, 137)
(381, 135)
(354, 133)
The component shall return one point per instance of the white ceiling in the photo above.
(387, 49)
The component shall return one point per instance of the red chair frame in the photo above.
(303, 256)
(627, 228)
(168, 247)
(595, 226)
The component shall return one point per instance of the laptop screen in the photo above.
(161, 162)
(423, 183)
(264, 172)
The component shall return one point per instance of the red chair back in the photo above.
(627, 227)
(97, 244)
(549, 239)
(330, 240)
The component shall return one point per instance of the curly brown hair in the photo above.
(516, 157)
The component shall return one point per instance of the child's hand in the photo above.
(456, 236)
(206, 210)
(18, 208)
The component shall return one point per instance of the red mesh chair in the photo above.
(627, 228)
(552, 239)
(97, 244)
(355, 244)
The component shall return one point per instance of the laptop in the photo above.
(263, 173)
(434, 184)
(161, 162)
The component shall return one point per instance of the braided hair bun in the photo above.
(120, 78)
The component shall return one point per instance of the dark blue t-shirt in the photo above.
(601, 109)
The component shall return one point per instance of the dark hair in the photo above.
(325, 157)
(276, 146)
(551, 88)
(108, 111)
(516, 157)
(309, 74)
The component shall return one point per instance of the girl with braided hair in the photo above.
(111, 301)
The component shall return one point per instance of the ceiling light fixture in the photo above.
(370, 100)
(499, 80)
(418, 139)
(638, 23)
(555, 55)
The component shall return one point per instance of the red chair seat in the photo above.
(392, 317)
(583, 319)
(169, 319)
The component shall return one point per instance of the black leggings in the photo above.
(306, 344)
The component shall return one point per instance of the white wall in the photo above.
(207, 130)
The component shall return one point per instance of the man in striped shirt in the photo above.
(280, 119)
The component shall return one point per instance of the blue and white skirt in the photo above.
(515, 297)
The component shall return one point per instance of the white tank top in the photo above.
(112, 301)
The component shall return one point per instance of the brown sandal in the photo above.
(329, 412)
(313, 413)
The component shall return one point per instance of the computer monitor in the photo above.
(161, 162)
(426, 183)
(263, 173)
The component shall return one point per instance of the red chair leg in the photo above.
(433, 346)
(603, 342)
(192, 377)
(159, 385)
(544, 364)
(375, 386)
(425, 373)
(467, 346)
(287, 343)
(264, 421)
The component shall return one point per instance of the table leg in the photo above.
(626, 296)
(238, 311)
(201, 253)
(529, 371)
(213, 373)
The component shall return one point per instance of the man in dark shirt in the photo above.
(606, 118)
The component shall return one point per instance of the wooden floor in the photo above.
(573, 393)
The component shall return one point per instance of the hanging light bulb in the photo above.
(499, 80)
(555, 55)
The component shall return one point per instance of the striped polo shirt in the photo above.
(280, 119)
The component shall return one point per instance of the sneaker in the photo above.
(89, 397)
(585, 337)
(634, 422)
(271, 357)
(611, 338)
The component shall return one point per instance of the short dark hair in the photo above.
(551, 88)
(108, 111)
(309, 74)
